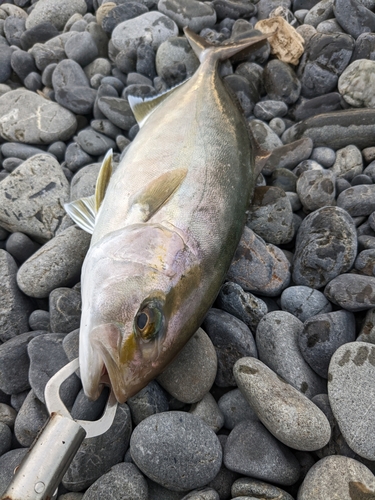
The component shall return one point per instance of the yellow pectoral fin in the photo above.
(146, 202)
(102, 181)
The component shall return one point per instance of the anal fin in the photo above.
(82, 212)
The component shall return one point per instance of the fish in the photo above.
(165, 225)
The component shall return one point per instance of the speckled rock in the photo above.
(337, 476)
(316, 189)
(289, 415)
(277, 341)
(281, 82)
(177, 450)
(190, 376)
(367, 332)
(304, 302)
(174, 51)
(358, 200)
(355, 84)
(209, 412)
(8, 463)
(37, 189)
(29, 118)
(348, 163)
(353, 292)
(64, 309)
(326, 246)
(56, 264)
(55, 12)
(150, 400)
(257, 489)
(235, 408)
(30, 419)
(195, 15)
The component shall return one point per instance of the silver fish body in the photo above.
(165, 233)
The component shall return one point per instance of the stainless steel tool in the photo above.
(45, 464)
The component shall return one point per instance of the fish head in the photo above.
(130, 321)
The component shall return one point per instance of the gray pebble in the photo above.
(358, 200)
(81, 48)
(106, 127)
(278, 126)
(348, 163)
(266, 110)
(30, 419)
(258, 489)
(235, 408)
(253, 451)
(316, 189)
(304, 302)
(306, 166)
(191, 374)
(20, 246)
(5, 438)
(17, 400)
(290, 156)
(277, 341)
(15, 307)
(158, 492)
(202, 494)
(281, 408)
(64, 309)
(85, 409)
(326, 236)
(56, 264)
(117, 111)
(7, 415)
(195, 15)
(352, 292)
(264, 135)
(367, 332)
(84, 181)
(322, 335)
(259, 267)
(55, 12)
(71, 344)
(246, 95)
(324, 156)
(209, 412)
(150, 400)
(177, 450)
(365, 262)
(280, 81)
(232, 340)
(173, 51)
(284, 179)
(76, 158)
(243, 305)
(122, 482)
(94, 143)
(8, 462)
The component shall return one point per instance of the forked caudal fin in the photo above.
(227, 49)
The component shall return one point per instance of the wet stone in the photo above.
(243, 305)
(353, 292)
(326, 246)
(150, 400)
(177, 450)
(15, 307)
(259, 267)
(209, 412)
(354, 17)
(277, 342)
(304, 302)
(280, 407)
(253, 451)
(258, 489)
(56, 264)
(195, 15)
(320, 12)
(15, 363)
(97, 455)
(65, 310)
(316, 189)
(235, 409)
(29, 118)
(322, 335)
(191, 374)
(30, 419)
(47, 356)
(341, 476)
(270, 215)
(280, 81)
(358, 200)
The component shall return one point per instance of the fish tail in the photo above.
(228, 49)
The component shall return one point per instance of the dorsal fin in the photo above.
(82, 212)
(102, 181)
(148, 200)
(142, 108)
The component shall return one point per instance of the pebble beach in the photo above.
(273, 398)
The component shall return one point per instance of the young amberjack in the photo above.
(164, 226)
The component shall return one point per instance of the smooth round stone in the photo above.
(30, 419)
(295, 204)
(122, 482)
(7, 415)
(306, 166)
(106, 127)
(94, 143)
(348, 163)
(364, 47)
(8, 462)
(118, 111)
(65, 310)
(322, 335)
(278, 126)
(235, 409)
(121, 13)
(277, 341)
(40, 33)
(81, 48)
(281, 83)
(366, 242)
(97, 455)
(5, 438)
(247, 95)
(365, 262)
(39, 320)
(355, 84)
(177, 450)
(29, 118)
(320, 12)
(150, 400)
(290, 156)
(20, 246)
(337, 476)
(266, 6)
(341, 185)
(358, 200)
(209, 412)
(10, 164)
(289, 415)
(99, 66)
(233, 9)
(253, 451)
(243, 305)
(191, 374)
(361, 179)
(330, 27)
(354, 17)
(258, 489)
(222, 482)
(15, 363)
(232, 340)
(326, 246)
(5, 63)
(202, 494)
(352, 292)
(128, 34)
(33, 81)
(76, 158)
(324, 156)
(71, 344)
(266, 110)
(22, 63)
(367, 333)
(270, 215)
(56, 264)
(265, 135)
(316, 189)
(84, 181)
(85, 409)
(195, 15)
(259, 267)
(15, 307)
(19, 150)
(304, 302)
(55, 12)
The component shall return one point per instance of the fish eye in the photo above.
(148, 322)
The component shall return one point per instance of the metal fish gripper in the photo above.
(44, 465)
